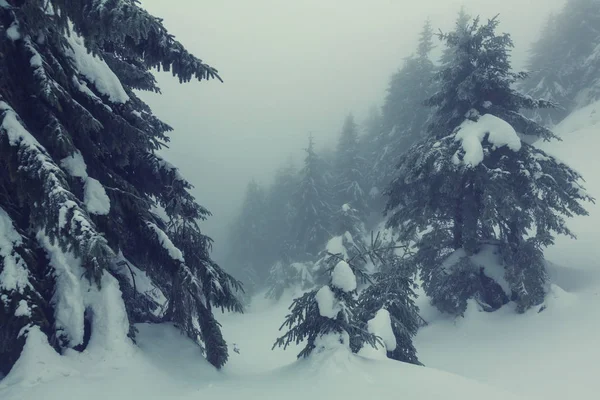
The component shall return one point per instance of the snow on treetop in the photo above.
(328, 305)
(381, 325)
(342, 277)
(96, 70)
(335, 245)
(472, 133)
(346, 207)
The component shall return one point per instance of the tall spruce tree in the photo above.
(81, 180)
(312, 223)
(281, 208)
(472, 183)
(349, 167)
(404, 114)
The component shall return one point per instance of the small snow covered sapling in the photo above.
(387, 305)
(327, 312)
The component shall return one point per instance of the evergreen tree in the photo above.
(81, 180)
(250, 247)
(460, 25)
(564, 62)
(313, 208)
(404, 114)
(349, 168)
(281, 211)
(326, 312)
(393, 290)
(472, 183)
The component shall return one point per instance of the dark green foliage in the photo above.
(392, 289)
(404, 114)
(564, 63)
(312, 221)
(515, 198)
(52, 112)
(349, 167)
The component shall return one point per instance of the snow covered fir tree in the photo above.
(325, 318)
(98, 232)
(481, 203)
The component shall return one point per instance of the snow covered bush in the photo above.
(472, 182)
(81, 179)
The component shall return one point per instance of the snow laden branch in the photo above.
(59, 214)
(130, 32)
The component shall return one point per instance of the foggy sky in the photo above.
(290, 68)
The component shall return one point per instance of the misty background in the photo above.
(289, 69)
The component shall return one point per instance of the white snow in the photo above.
(94, 195)
(166, 242)
(83, 88)
(343, 277)
(381, 325)
(13, 32)
(22, 309)
(335, 245)
(36, 60)
(68, 297)
(96, 71)
(14, 274)
(487, 258)
(329, 307)
(95, 198)
(498, 132)
(75, 165)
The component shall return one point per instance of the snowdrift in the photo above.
(168, 366)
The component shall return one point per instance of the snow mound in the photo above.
(328, 305)
(95, 198)
(343, 278)
(335, 245)
(472, 133)
(381, 325)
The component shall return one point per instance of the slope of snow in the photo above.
(580, 134)
(168, 366)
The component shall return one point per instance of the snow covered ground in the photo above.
(552, 354)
